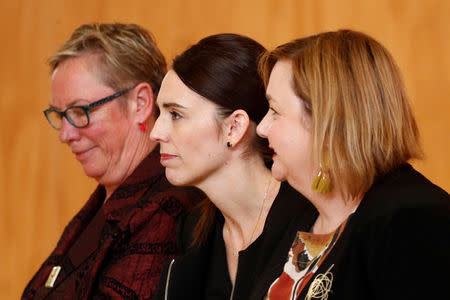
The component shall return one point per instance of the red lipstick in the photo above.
(165, 156)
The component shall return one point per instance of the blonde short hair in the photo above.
(126, 54)
(362, 123)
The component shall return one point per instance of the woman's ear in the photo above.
(235, 127)
(143, 104)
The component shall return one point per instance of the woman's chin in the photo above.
(92, 172)
(174, 179)
(278, 174)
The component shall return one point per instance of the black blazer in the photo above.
(395, 246)
(258, 266)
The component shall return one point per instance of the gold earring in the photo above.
(322, 182)
(229, 144)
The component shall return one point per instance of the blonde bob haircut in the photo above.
(125, 54)
(362, 123)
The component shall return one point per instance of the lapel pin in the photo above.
(52, 277)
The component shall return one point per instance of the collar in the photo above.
(126, 196)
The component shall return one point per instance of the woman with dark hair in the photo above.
(210, 103)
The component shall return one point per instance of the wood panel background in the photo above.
(41, 184)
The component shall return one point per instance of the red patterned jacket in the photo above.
(116, 250)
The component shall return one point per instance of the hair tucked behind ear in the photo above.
(223, 68)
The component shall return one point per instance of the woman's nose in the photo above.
(68, 132)
(261, 129)
(157, 133)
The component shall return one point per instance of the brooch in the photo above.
(321, 286)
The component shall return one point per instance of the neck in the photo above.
(333, 210)
(244, 199)
(135, 155)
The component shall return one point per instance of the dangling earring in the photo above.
(322, 182)
(143, 126)
(229, 144)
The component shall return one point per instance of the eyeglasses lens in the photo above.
(53, 118)
(77, 116)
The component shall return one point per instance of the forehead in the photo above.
(76, 70)
(73, 80)
(173, 90)
(281, 92)
(280, 80)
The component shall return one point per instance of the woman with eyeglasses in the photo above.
(210, 103)
(104, 82)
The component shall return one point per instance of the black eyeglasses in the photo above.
(78, 115)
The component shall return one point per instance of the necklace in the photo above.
(260, 213)
(246, 244)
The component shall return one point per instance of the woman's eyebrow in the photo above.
(70, 104)
(172, 104)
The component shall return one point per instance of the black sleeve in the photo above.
(414, 259)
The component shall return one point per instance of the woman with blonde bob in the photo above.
(343, 132)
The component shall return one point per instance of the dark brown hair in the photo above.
(223, 68)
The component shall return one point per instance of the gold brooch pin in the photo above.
(52, 277)
(321, 286)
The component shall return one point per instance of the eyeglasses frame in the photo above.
(85, 108)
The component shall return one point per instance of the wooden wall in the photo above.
(41, 184)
